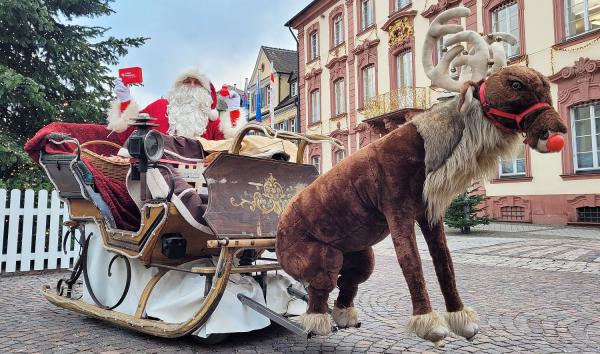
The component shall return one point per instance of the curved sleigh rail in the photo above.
(154, 327)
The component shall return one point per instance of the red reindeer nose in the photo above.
(555, 143)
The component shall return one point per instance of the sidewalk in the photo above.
(532, 230)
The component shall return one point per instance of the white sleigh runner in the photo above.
(200, 262)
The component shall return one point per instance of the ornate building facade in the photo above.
(360, 75)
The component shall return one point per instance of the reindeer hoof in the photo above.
(317, 323)
(430, 327)
(463, 323)
(437, 335)
(346, 317)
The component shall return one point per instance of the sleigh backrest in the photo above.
(246, 195)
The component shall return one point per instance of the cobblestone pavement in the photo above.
(536, 290)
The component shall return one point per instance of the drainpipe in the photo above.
(297, 99)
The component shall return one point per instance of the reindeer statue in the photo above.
(327, 231)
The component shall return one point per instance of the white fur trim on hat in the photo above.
(195, 73)
(119, 121)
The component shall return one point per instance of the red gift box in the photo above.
(131, 75)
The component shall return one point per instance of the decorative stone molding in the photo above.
(368, 44)
(577, 84)
(341, 135)
(312, 74)
(441, 5)
(336, 62)
(410, 15)
(582, 68)
(511, 201)
(579, 201)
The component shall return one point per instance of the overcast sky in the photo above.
(221, 37)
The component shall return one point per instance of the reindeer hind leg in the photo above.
(317, 264)
(356, 269)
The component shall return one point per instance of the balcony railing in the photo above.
(399, 99)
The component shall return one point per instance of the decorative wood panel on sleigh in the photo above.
(245, 197)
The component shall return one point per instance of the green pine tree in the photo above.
(51, 70)
(465, 211)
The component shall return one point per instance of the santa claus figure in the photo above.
(231, 115)
(189, 110)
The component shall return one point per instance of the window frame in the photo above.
(294, 89)
(363, 16)
(364, 72)
(314, 45)
(339, 106)
(335, 155)
(593, 135)
(338, 20)
(314, 101)
(490, 5)
(400, 70)
(318, 162)
(398, 6)
(586, 20)
(494, 13)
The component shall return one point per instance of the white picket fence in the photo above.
(32, 232)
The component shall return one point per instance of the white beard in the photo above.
(188, 111)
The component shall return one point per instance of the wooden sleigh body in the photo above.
(245, 197)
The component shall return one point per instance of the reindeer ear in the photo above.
(466, 96)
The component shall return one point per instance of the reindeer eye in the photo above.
(516, 85)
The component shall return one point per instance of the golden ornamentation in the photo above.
(271, 199)
(400, 31)
(395, 100)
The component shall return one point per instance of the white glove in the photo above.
(122, 91)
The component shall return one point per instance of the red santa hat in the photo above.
(194, 73)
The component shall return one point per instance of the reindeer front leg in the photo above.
(461, 320)
(425, 322)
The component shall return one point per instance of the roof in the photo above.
(284, 60)
(288, 100)
(289, 23)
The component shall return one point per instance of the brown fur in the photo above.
(411, 174)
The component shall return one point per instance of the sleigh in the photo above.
(174, 275)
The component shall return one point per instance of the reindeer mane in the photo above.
(459, 148)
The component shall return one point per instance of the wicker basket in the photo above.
(112, 169)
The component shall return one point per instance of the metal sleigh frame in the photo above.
(75, 185)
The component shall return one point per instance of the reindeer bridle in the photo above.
(506, 121)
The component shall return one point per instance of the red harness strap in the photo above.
(494, 113)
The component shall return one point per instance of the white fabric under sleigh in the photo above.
(178, 296)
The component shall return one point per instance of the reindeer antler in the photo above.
(497, 51)
(475, 63)
(439, 74)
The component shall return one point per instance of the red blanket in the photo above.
(113, 192)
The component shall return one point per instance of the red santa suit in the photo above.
(122, 114)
